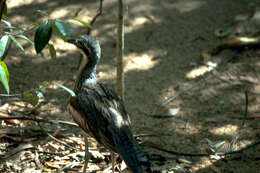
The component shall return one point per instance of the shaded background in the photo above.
(162, 39)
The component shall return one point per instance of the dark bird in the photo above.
(100, 112)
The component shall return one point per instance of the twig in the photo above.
(38, 120)
(21, 94)
(235, 138)
(54, 138)
(96, 16)
(69, 165)
(201, 154)
(151, 135)
(15, 151)
(37, 160)
(10, 95)
(16, 33)
(246, 108)
(52, 153)
(63, 143)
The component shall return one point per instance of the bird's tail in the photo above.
(132, 154)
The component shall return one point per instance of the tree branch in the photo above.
(96, 16)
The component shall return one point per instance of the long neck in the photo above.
(86, 74)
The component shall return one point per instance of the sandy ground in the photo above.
(162, 41)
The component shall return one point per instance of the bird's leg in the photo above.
(113, 161)
(86, 153)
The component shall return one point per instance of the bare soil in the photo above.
(163, 39)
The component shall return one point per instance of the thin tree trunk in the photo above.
(120, 50)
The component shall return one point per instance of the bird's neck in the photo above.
(86, 74)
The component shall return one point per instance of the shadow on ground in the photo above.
(168, 35)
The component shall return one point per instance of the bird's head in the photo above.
(89, 46)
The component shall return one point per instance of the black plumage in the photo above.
(100, 112)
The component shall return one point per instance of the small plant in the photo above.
(42, 36)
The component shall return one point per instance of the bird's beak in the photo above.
(72, 41)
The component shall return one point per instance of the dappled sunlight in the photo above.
(225, 130)
(185, 6)
(244, 143)
(62, 45)
(19, 18)
(110, 73)
(109, 29)
(18, 3)
(186, 128)
(206, 163)
(178, 95)
(83, 17)
(133, 61)
(201, 70)
(59, 13)
(140, 61)
(138, 22)
(139, 7)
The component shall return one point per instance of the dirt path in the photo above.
(163, 39)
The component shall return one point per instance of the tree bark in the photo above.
(120, 50)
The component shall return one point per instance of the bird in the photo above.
(100, 112)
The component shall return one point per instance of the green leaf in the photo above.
(6, 23)
(10, 27)
(43, 85)
(18, 44)
(72, 93)
(2, 48)
(5, 44)
(4, 12)
(39, 94)
(77, 12)
(21, 31)
(42, 36)
(31, 98)
(4, 76)
(64, 27)
(58, 32)
(52, 52)
(26, 38)
(83, 23)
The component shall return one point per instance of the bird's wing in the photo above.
(105, 115)
(78, 115)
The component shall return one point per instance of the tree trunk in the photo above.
(120, 50)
